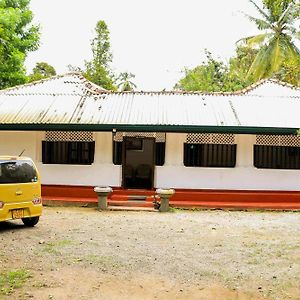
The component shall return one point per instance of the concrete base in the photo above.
(165, 195)
(102, 193)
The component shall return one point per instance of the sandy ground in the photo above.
(80, 253)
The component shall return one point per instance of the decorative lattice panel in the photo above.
(69, 136)
(210, 138)
(278, 140)
(160, 137)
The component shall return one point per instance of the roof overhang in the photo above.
(150, 128)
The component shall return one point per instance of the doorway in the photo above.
(138, 162)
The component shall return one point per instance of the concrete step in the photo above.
(134, 208)
(122, 197)
(131, 203)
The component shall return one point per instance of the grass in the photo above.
(12, 280)
(99, 260)
(53, 247)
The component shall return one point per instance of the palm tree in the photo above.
(125, 84)
(276, 45)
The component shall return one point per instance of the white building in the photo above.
(217, 150)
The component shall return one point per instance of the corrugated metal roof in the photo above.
(70, 100)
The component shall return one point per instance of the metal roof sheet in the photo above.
(70, 100)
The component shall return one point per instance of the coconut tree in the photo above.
(279, 23)
(125, 83)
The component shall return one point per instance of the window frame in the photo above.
(160, 153)
(68, 152)
(276, 157)
(208, 155)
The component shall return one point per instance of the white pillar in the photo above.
(103, 147)
(244, 157)
(174, 149)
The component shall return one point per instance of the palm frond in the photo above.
(276, 49)
(261, 24)
(257, 39)
(261, 11)
(292, 30)
(291, 50)
(289, 15)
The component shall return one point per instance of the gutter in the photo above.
(149, 128)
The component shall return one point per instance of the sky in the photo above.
(155, 40)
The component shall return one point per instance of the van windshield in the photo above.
(17, 171)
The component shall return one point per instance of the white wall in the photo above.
(243, 177)
(172, 174)
(14, 142)
(101, 172)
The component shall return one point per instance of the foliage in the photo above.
(209, 76)
(125, 83)
(276, 43)
(9, 281)
(215, 76)
(270, 54)
(97, 70)
(17, 37)
(290, 72)
(41, 70)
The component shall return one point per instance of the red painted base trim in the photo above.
(188, 198)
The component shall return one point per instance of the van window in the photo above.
(17, 171)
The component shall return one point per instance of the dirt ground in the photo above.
(80, 253)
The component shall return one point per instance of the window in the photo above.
(117, 153)
(160, 150)
(159, 153)
(17, 171)
(209, 155)
(134, 144)
(276, 157)
(66, 152)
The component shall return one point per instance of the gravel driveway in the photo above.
(80, 253)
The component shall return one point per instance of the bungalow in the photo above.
(216, 150)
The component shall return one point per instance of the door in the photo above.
(138, 162)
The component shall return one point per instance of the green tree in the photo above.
(40, 71)
(216, 76)
(17, 37)
(125, 83)
(290, 72)
(239, 65)
(97, 70)
(276, 44)
(208, 77)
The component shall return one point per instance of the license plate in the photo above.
(17, 213)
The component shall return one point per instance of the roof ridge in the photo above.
(17, 87)
(95, 89)
(243, 91)
(255, 85)
(90, 86)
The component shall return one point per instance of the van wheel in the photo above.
(30, 222)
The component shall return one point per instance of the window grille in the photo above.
(210, 138)
(278, 140)
(160, 137)
(69, 136)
